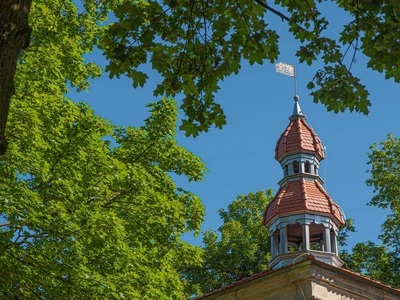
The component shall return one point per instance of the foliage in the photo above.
(382, 262)
(375, 261)
(344, 230)
(240, 248)
(86, 216)
(194, 45)
(88, 208)
(385, 178)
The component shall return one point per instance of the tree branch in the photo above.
(5, 224)
(267, 7)
(273, 10)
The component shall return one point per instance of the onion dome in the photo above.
(302, 196)
(298, 136)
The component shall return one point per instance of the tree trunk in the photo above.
(14, 37)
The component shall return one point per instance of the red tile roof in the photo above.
(302, 195)
(298, 136)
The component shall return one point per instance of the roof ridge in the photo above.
(303, 189)
(269, 204)
(283, 136)
(321, 188)
(316, 139)
(300, 128)
(332, 204)
(280, 196)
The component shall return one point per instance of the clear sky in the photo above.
(257, 103)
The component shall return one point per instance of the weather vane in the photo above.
(288, 70)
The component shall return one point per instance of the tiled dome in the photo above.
(298, 136)
(302, 195)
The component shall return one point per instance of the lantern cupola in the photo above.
(302, 218)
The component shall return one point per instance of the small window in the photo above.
(295, 167)
(315, 170)
(286, 172)
(307, 167)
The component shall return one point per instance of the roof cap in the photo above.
(297, 113)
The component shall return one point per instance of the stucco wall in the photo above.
(309, 280)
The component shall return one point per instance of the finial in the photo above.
(297, 113)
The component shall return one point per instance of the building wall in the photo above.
(309, 280)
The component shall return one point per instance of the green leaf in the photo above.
(139, 78)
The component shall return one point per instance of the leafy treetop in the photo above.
(240, 248)
(194, 45)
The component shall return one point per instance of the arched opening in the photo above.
(316, 237)
(295, 237)
(295, 167)
(286, 170)
(315, 170)
(307, 167)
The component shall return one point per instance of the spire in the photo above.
(298, 136)
(302, 218)
(297, 113)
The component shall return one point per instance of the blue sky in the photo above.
(257, 103)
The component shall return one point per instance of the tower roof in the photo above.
(298, 136)
(302, 195)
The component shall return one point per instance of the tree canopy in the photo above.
(382, 262)
(385, 179)
(240, 247)
(89, 208)
(194, 45)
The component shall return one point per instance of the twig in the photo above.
(356, 46)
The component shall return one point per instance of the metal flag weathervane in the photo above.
(288, 70)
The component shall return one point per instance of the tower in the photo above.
(302, 218)
(303, 221)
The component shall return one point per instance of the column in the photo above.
(275, 239)
(283, 236)
(334, 243)
(273, 254)
(327, 239)
(306, 236)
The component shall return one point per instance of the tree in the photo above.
(89, 208)
(385, 179)
(374, 260)
(240, 248)
(194, 45)
(382, 262)
(343, 233)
